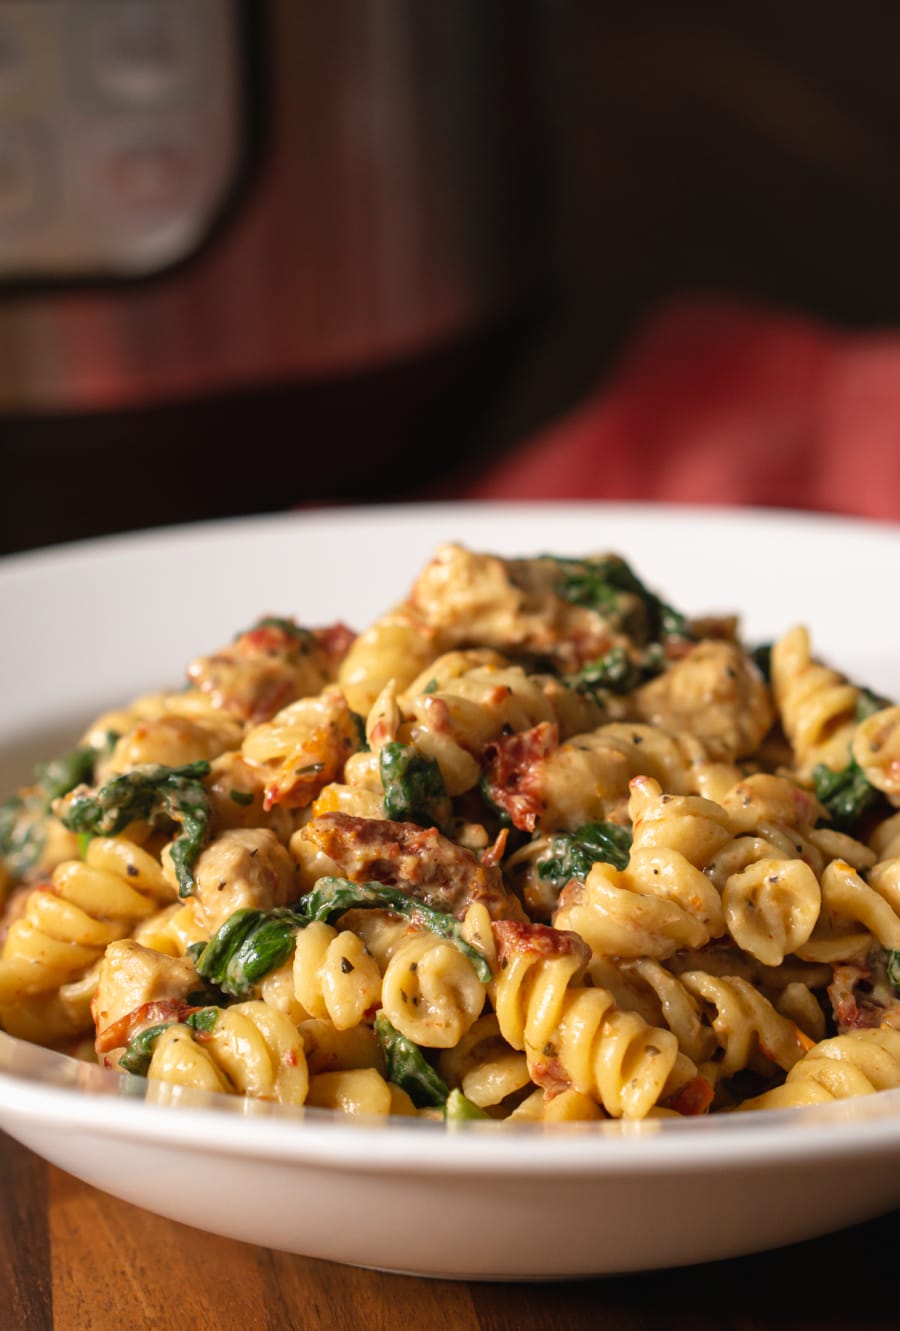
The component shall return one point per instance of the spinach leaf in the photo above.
(407, 1067)
(332, 896)
(249, 945)
(150, 791)
(573, 853)
(458, 1109)
(617, 671)
(23, 816)
(139, 1050)
(414, 790)
(846, 794)
(605, 583)
(893, 969)
(868, 703)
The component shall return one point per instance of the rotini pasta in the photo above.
(816, 705)
(574, 1036)
(533, 846)
(249, 1049)
(857, 1063)
(65, 926)
(661, 901)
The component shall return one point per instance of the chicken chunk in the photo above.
(244, 867)
(511, 605)
(269, 666)
(131, 976)
(716, 693)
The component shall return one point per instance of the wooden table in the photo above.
(73, 1259)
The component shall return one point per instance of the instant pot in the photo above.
(258, 254)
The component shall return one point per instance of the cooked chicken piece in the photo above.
(244, 867)
(508, 604)
(717, 694)
(132, 976)
(270, 666)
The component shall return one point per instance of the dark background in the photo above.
(692, 147)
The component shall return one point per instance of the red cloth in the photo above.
(716, 404)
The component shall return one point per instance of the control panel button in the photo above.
(120, 131)
(139, 52)
(148, 176)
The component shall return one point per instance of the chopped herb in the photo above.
(846, 794)
(431, 686)
(407, 1067)
(150, 791)
(414, 790)
(572, 853)
(332, 896)
(241, 797)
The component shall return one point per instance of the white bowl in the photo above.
(95, 624)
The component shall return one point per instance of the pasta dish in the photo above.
(534, 845)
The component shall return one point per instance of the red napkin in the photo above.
(718, 404)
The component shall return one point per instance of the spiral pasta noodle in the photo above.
(816, 704)
(335, 975)
(463, 701)
(65, 927)
(486, 1068)
(302, 748)
(661, 901)
(858, 1063)
(394, 648)
(875, 747)
(574, 1036)
(250, 1049)
(745, 1023)
(430, 991)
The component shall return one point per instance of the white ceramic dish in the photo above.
(89, 626)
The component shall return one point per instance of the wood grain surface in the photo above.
(73, 1259)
